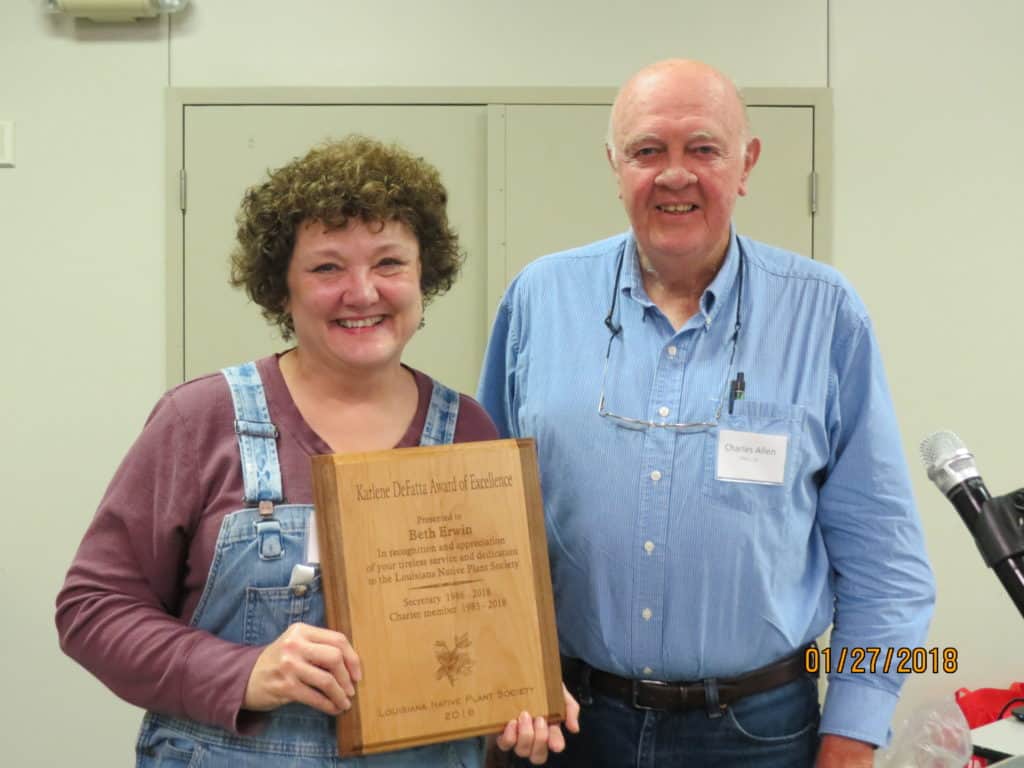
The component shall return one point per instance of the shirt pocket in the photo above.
(763, 418)
(270, 610)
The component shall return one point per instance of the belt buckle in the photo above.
(657, 683)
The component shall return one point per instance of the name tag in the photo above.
(749, 457)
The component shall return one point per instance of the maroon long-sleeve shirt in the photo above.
(133, 586)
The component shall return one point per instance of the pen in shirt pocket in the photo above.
(736, 390)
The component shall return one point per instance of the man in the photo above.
(740, 485)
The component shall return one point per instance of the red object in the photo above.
(982, 706)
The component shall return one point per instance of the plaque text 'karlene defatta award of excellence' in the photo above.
(434, 564)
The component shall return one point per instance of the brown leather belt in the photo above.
(683, 695)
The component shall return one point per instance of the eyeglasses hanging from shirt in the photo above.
(734, 388)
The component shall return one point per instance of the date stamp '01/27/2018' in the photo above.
(869, 660)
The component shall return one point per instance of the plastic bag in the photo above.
(934, 736)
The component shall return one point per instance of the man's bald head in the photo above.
(690, 81)
(682, 153)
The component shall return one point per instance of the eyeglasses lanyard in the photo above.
(615, 328)
(737, 387)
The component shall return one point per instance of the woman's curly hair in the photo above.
(353, 178)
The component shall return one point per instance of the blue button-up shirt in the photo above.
(660, 569)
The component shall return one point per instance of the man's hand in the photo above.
(533, 738)
(841, 752)
(307, 664)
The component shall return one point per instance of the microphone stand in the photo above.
(999, 534)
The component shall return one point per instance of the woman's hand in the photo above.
(307, 664)
(533, 738)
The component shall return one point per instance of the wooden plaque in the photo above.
(434, 564)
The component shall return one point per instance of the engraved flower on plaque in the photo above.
(454, 662)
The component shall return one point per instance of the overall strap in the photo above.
(442, 415)
(257, 436)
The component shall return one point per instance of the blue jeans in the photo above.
(773, 729)
(171, 745)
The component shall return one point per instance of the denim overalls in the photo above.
(247, 600)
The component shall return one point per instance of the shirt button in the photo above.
(648, 547)
(672, 351)
(648, 671)
(646, 613)
(663, 411)
(655, 475)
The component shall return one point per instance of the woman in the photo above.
(179, 598)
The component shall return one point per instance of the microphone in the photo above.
(951, 467)
(996, 524)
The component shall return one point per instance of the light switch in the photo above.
(6, 143)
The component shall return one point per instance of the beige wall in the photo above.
(81, 297)
(928, 193)
(926, 188)
(483, 42)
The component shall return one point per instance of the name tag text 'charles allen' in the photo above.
(750, 457)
